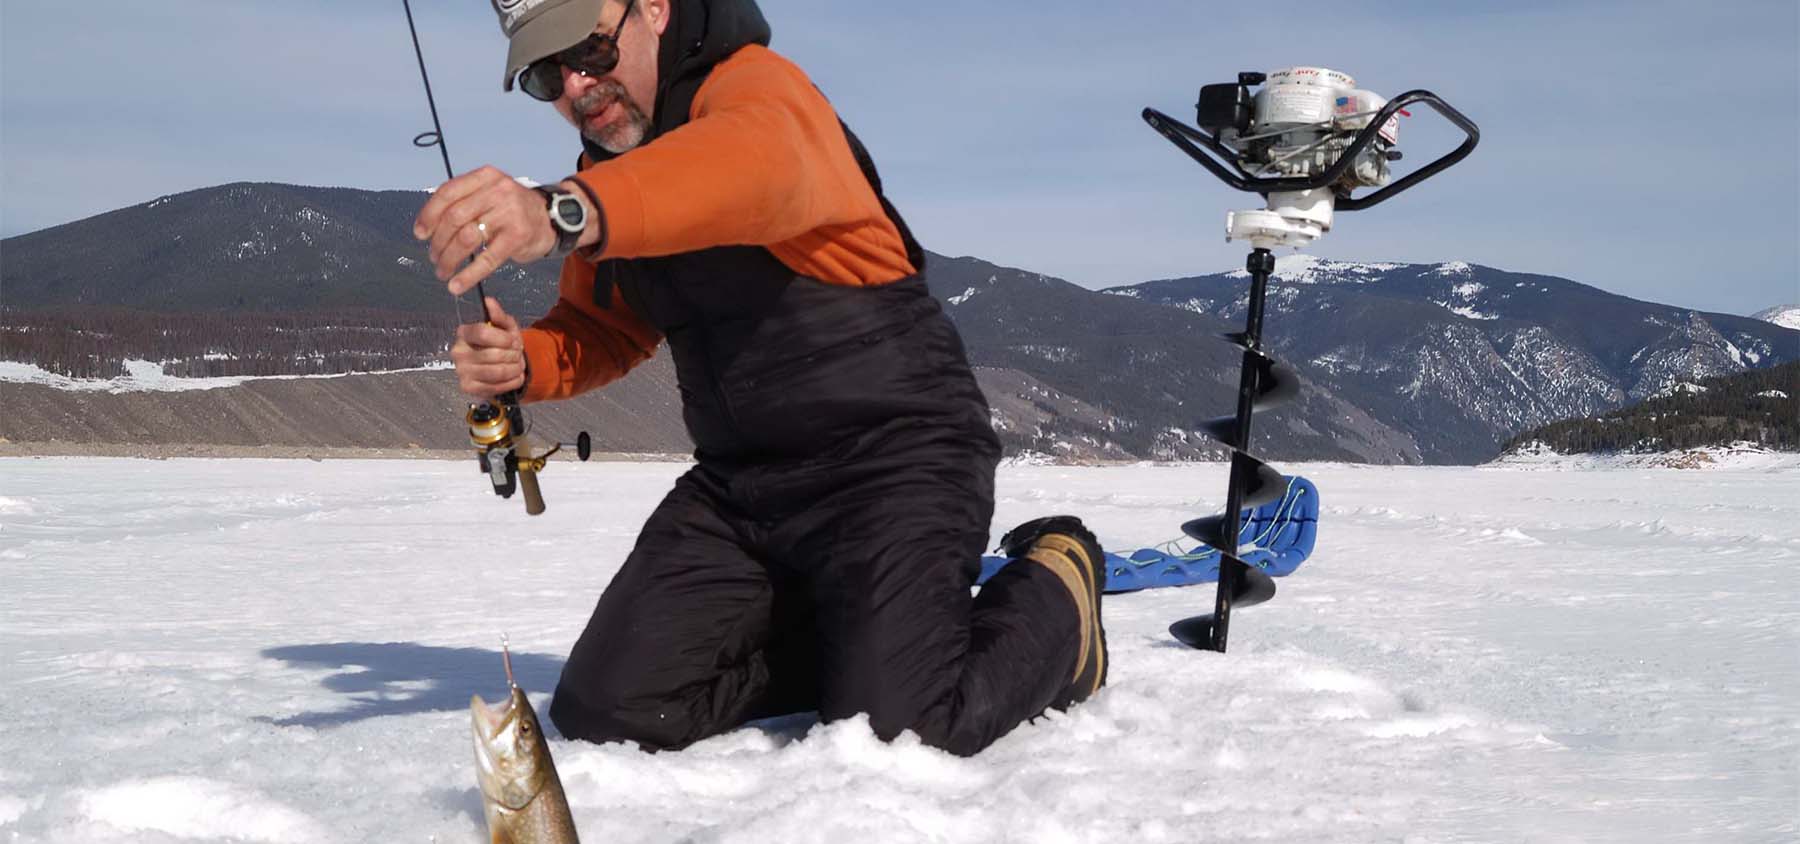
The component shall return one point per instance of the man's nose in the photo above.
(576, 83)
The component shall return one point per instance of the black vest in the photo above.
(777, 366)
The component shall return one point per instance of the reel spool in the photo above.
(498, 432)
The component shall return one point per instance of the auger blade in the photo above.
(1277, 384)
(1254, 586)
(1223, 429)
(1268, 485)
(1207, 529)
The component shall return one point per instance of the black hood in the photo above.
(701, 33)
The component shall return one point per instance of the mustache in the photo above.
(601, 96)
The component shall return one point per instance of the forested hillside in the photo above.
(95, 342)
(1760, 406)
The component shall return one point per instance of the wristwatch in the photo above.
(568, 218)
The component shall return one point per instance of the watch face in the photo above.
(569, 213)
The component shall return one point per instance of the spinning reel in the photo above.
(497, 428)
(1305, 141)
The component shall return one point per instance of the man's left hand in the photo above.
(489, 216)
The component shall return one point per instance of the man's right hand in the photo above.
(490, 356)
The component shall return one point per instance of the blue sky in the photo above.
(1648, 148)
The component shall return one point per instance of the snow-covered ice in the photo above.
(1739, 456)
(283, 651)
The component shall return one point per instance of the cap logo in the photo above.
(512, 10)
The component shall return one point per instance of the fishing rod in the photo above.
(497, 427)
(1305, 141)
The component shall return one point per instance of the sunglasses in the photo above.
(596, 55)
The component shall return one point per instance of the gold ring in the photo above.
(481, 227)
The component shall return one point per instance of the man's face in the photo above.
(614, 110)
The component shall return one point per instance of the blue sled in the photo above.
(1277, 537)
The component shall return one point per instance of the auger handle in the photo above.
(1191, 140)
(1471, 133)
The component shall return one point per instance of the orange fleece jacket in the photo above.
(761, 161)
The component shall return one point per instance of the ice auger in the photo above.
(1304, 141)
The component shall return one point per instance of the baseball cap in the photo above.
(538, 28)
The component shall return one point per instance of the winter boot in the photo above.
(1069, 550)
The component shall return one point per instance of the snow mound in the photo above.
(195, 807)
(12, 808)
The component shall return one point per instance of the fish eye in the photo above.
(525, 727)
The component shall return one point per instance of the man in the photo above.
(820, 554)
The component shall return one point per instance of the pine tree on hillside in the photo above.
(1761, 406)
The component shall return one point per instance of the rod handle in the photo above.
(534, 500)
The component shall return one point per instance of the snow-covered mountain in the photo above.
(1457, 354)
(1406, 363)
(1153, 372)
(1786, 316)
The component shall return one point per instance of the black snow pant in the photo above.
(756, 591)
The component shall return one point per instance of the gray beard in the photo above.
(619, 136)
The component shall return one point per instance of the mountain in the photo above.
(255, 247)
(1761, 407)
(1461, 356)
(1403, 363)
(266, 261)
(1786, 316)
(1155, 372)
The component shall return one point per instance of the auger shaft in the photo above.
(1260, 264)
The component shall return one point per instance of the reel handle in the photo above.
(1191, 140)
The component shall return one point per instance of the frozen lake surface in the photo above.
(284, 651)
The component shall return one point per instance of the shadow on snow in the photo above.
(405, 678)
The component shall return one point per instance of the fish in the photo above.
(521, 794)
